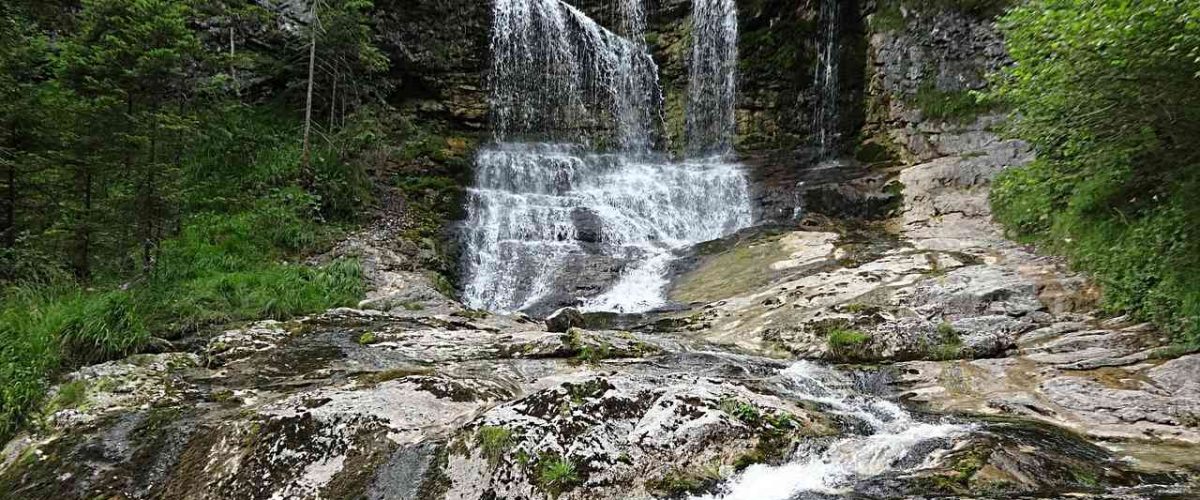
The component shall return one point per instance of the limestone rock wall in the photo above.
(923, 62)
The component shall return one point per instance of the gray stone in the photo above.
(1180, 376)
(565, 319)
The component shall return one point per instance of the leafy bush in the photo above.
(1105, 91)
(21, 264)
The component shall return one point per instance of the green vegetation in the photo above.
(156, 179)
(949, 345)
(845, 339)
(1106, 93)
(957, 106)
(494, 441)
(681, 482)
(70, 395)
(367, 338)
(746, 412)
(966, 465)
(556, 475)
(593, 355)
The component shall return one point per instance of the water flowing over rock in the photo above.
(558, 75)
(890, 435)
(542, 211)
(531, 202)
(712, 88)
(825, 106)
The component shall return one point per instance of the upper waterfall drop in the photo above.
(573, 186)
(712, 83)
(557, 75)
(825, 112)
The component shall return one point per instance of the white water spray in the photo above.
(547, 205)
(892, 435)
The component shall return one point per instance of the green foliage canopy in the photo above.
(1106, 92)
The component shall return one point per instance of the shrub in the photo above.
(1105, 91)
(46, 328)
(741, 410)
(494, 441)
(954, 106)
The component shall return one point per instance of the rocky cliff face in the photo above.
(923, 64)
(777, 63)
(439, 55)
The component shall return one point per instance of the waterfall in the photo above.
(639, 101)
(572, 186)
(825, 82)
(712, 88)
(557, 75)
(891, 436)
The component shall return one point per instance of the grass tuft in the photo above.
(556, 475)
(844, 338)
(494, 441)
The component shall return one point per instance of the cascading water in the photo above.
(548, 203)
(556, 75)
(712, 84)
(825, 81)
(892, 435)
(639, 95)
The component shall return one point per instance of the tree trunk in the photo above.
(148, 200)
(9, 230)
(308, 104)
(81, 247)
(332, 99)
(237, 88)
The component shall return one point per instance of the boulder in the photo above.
(564, 319)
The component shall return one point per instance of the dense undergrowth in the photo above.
(238, 256)
(157, 176)
(1106, 93)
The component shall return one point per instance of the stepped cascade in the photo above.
(889, 434)
(573, 180)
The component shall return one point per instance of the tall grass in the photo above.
(44, 328)
(220, 269)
